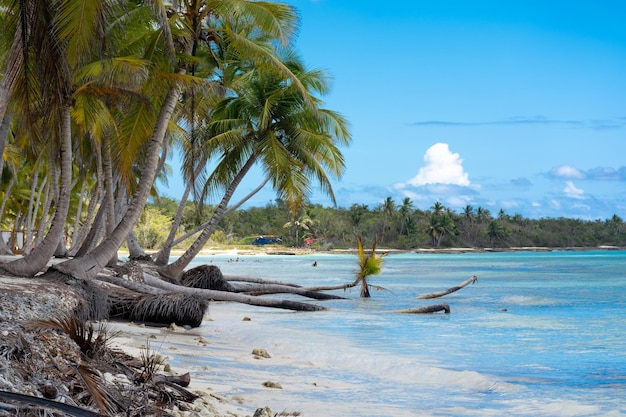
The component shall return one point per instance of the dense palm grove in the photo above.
(398, 226)
(95, 94)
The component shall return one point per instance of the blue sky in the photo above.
(514, 105)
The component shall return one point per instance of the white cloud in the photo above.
(572, 191)
(442, 167)
(567, 172)
(509, 204)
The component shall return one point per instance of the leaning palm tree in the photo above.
(54, 41)
(270, 122)
(369, 264)
(274, 19)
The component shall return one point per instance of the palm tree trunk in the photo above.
(48, 196)
(32, 203)
(14, 64)
(175, 269)
(37, 260)
(90, 264)
(163, 256)
(79, 211)
(4, 136)
(109, 199)
(88, 242)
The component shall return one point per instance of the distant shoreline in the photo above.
(280, 250)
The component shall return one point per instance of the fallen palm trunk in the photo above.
(426, 310)
(333, 287)
(210, 277)
(130, 285)
(261, 289)
(449, 290)
(230, 296)
(257, 280)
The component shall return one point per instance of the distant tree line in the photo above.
(397, 226)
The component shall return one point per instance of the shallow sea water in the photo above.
(539, 334)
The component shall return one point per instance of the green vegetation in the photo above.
(404, 227)
(95, 94)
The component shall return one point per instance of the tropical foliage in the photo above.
(95, 94)
(409, 228)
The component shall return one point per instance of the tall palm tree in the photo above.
(270, 122)
(170, 43)
(439, 227)
(483, 215)
(388, 208)
(405, 211)
(302, 222)
(496, 232)
(55, 38)
(438, 209)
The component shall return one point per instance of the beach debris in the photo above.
(260, 353)
(426, 310)
(468, 281)
(202, 341)
(270, 384)
(246, 318)
(263, 412)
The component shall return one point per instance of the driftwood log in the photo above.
(210, 277)
(426, 310)
(449, 290)
(230, 296)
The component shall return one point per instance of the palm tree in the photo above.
(483, 215)
(53, 47)
(167, 45)
(270, 122)
(467, 219)
(496, 232)
(303, 222)
(369, 264)
(405, 211)
(90, 264)
(439, 227)
(437, 208)
(388, 208)
(220, 60)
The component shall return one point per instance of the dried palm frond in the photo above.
(180, 309)
(92, 343)
(207, 277)
(99, 395)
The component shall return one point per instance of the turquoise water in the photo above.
(538, 334)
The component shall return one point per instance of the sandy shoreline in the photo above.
(137, 339)
(219, 392)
